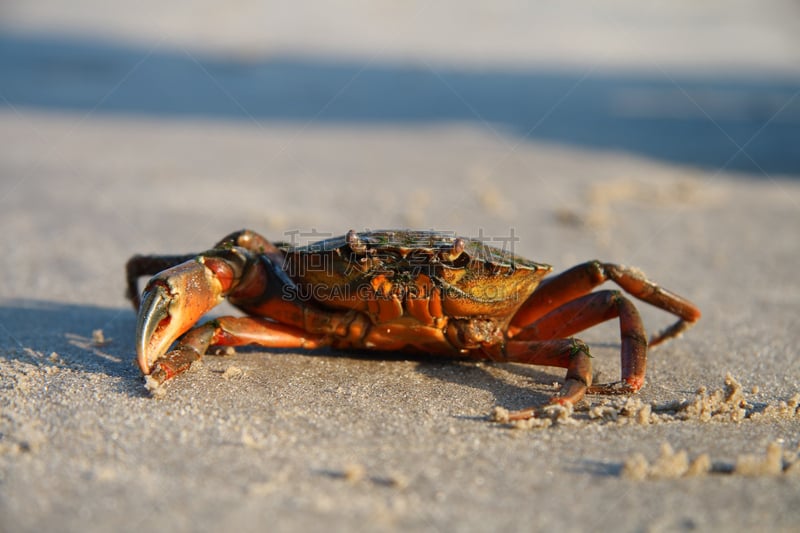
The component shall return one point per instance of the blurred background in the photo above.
(165, 126)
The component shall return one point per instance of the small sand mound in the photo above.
(672, 465)
(728, 404)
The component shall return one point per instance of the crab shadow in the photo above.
(595, 468)
(496, 378)
(501, 380)
(32, 331)
(693, 119)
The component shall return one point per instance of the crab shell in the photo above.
(471, 278)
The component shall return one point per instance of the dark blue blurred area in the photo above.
(686, 119)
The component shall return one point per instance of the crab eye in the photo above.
(454, 252)
(355, 243)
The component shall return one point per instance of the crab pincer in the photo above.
(176, 298)
(171, 304)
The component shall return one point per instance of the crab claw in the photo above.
(171, 304)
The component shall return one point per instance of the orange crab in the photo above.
(421, 291)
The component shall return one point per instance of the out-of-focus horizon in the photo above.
(713, 85)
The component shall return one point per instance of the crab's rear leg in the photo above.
(583, 278)
(565, 305)
(571, 354)
(585, 312)
(543, 343)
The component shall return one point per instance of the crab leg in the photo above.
(571, 354)
(149, 265)
(542, 343)
(171, 303)
(583, 278)
(587, 311)
(230, 331)
(175, 299)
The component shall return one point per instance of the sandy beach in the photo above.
(662, 137)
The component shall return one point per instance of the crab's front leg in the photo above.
(175, 299)
(172, 302)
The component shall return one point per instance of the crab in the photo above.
(420, 291)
